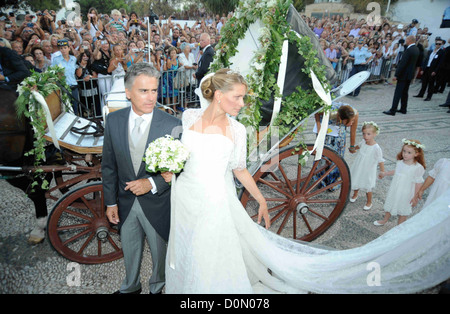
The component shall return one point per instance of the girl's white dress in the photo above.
(215, 247)
(363, 171)
(402, 188)
(441, 184)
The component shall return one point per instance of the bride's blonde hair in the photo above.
(222, 80)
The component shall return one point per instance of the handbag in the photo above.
(99, 67)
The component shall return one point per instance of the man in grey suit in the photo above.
(136, 200)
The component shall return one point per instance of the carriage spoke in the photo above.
(299, 175)
(278, 207)
(307, 224)
(319, 215)
(284, 221)
(288, 182)
(85, 244)
(89, 206)
(99, 247)
(274, 176)
(308, 178)
(79, 215)
(113, 243)
(274, 187)
(320, 179)
(70, 227)
(77, 236)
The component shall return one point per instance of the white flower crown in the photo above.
(412, 143)
(377, 128)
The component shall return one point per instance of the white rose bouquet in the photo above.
(165, 154)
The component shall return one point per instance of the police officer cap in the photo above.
(414, 21)
(63, 42)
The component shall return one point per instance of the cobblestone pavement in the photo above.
(31, 269)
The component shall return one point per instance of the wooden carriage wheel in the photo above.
(302, 201)
(79, 230)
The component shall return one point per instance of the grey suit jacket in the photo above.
(117, 169)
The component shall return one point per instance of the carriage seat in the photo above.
(64, 121)
(115, 99)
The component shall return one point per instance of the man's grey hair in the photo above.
(138, 69)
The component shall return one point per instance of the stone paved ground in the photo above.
(32, 269)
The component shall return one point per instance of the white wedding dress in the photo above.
(215, 247)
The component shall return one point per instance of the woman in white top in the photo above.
(94, 24)
(117, 64)
(387, 50)
(187, 58)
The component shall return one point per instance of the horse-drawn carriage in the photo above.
(299, 207)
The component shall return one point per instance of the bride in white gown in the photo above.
(215, 247)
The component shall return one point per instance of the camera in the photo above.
(152, 17)
(63, 22)
(30, 24)
(11, 14)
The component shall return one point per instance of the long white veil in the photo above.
(203, 102)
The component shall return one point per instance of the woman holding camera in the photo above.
(117, 64)
(135, 55)
(134, 23)
(94, 24)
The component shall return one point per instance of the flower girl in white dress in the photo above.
(408, 179)
(364, 169)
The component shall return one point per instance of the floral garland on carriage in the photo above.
(45, 83)
(262, 83)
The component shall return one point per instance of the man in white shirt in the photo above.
(138, 201)
(429, 70)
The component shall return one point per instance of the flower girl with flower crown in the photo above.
(364, 169)
(408, 179)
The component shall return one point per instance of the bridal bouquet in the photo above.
(165, 154)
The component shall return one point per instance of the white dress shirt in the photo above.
(147, 120)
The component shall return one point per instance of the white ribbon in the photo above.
(172, 238)
(48, 117)
(326, 97)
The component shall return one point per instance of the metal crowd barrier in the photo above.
(380, 70)
(176, 89)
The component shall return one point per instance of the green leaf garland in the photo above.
(262, 83)
(44, 83)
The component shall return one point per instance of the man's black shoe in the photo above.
(404, 112)
(389, 113)
(427, 99)
(444, 105)
(418, 96)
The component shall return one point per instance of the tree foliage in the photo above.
(220, 6)
(35, 5)
(101, 5)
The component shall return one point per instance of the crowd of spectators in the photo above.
(106, 44)
(339, 36)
